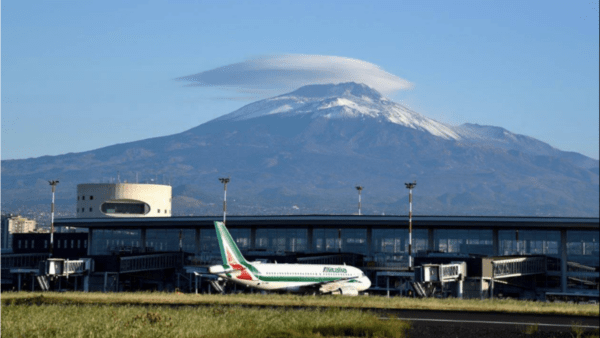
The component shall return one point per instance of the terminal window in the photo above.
(125, 208)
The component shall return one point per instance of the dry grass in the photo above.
(361, 302)
(215, 321)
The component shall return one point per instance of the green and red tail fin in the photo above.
(230, 253)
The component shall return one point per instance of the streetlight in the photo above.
(359, 188)
(224, 180)
(410, 187)
(53, 185)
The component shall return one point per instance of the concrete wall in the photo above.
(91, 197)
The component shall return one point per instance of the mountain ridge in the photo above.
(310, 159)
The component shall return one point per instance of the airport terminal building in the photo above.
(461, 256)
(533, 256)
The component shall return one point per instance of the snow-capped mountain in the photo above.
(342, 101)
(304, 152)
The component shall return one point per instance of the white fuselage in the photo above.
(297, 277)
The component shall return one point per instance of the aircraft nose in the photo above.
(367, 282)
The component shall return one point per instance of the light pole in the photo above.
(53, 185)
(410, 187)
(359, 188)
(224, 180)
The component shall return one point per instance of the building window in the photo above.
(125, 208)
(72, 243)
(26, 242)
(58, 244)
(32, 243)
(90, 209)
(82, 209)
(91, 198)
(85, 243)
(83, 198)
(78, 198)
(78, 243)
(158, 210)
(45, 244)
(66, 244)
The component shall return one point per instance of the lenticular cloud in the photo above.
(288, 72)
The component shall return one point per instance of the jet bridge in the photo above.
(141, 263)
(58, 268)
(495, 269)
(516, 267)
(430, 279)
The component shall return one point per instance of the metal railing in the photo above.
(73, 267)
(31, 260)
(150, 262)
(515, 267)
(450, 272)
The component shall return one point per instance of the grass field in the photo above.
(22, 320)
(361, 302)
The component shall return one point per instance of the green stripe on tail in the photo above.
(227, 244)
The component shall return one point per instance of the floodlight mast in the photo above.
(224, 180)
(359, 188)
(53, 185)
(410, 187)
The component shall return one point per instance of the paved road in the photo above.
(494, 318)
(477, 324)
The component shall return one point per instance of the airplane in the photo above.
(297, 278)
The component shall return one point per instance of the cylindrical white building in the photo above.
(97, 200)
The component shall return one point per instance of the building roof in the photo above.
(335, 221)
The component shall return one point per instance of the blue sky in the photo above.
(80, 75)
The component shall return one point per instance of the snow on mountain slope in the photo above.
(358, 101)
(341, 101)
(498, 137)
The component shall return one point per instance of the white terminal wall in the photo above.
(90, 198)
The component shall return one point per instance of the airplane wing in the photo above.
(330, 286)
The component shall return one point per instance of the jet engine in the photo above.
(348, 290)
